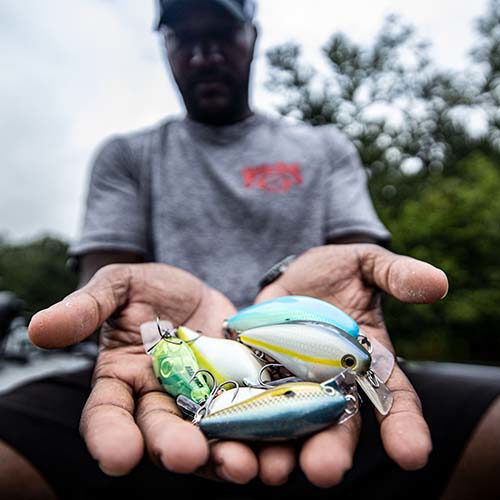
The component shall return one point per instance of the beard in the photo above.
(215, 97)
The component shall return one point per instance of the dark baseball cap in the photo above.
(242, 10)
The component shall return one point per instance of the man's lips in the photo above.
(211, 87)
(210, 79)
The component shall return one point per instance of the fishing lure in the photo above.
(176, 367)
(311, 351)
(225, 359)
(286, 412)
(317, 352)
(290, 309)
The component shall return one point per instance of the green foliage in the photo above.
(36, 272)
(455, 225)
(434, 179)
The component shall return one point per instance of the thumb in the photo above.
(81, 313)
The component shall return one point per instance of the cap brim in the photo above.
(227, 5)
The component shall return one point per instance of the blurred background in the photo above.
(416, 85)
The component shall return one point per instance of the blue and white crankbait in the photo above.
(290, 309)
(316, 352)
(288, 411)
(311, 351)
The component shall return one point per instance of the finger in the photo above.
(408, 279)
(176, 444)
(405, 434)
(271, 291)
(234, 461)
(276, 462)
(328, 455)
(83, 312)
(211, 312)
(107, 425)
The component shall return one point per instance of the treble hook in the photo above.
(363, 340)
(236, 385)
(166, 334)
(208, 372)
(204, 409)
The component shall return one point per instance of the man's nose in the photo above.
(206, 53)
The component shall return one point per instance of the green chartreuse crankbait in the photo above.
(287, 411)
(176, 368)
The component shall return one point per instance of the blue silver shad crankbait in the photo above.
(225, 359)
(316, 352)
(285, 412)
(290, 309)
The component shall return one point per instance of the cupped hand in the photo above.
(351, 277)
(127, 411)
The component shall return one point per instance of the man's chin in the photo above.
(214, 111)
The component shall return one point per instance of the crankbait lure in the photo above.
(311, 351)
(317, 352)
(176, 368)
(288, 411)
(290, 309)
(225, 359)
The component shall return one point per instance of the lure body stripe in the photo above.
(288, 411)
(268, 347)
(310, 351)
(290, 309)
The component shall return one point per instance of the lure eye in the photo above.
(329, 390)
(348, 361)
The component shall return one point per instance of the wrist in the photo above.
(275, 271)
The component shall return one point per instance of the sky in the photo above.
(75, 72)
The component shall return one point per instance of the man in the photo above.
(191, 213)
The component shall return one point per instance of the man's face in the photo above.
(210, 55)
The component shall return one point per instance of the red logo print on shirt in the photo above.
(275, 177)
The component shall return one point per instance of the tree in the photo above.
(432, 176)
(36, 272)
(455, 223)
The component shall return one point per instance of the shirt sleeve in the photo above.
(349, 207)
(115, 217)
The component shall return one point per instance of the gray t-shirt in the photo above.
(225, 203)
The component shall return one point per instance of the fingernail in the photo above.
(109, 472)
(223, 474)
(447, 286)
